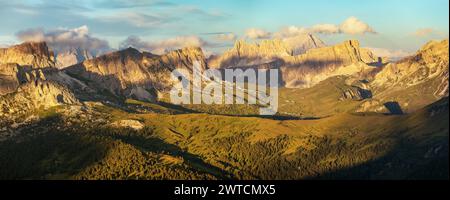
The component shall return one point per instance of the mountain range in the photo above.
(344, 113)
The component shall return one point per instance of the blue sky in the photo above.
(396, 24)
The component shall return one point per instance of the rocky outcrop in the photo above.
(33, 96)
(429, 62)
(128, 123)
(13, 75)
(133, 74)
(355, 93)
(34, 54)
(22, 63)
(9, 78)
(415, 81)
(72, 57)
(372, 105)
(368, 57)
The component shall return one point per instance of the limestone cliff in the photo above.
(9, 78)
(181, 58)
(13, 75)
(346, 53)
(303, 42)
(431, 61)
(72, 57)
(305, 70)
(33, 96)
(34, 54)
(415, 81)
(266, 51)
(247, 54)
(318, 64)
(133, 74)
(22, 63)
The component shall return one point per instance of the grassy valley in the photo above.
(85, 144)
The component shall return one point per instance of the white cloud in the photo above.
(423, 32)
(226, 36)
(255, 33)
(325, 28)
(63, 39)
(161, 47)
(290, 31)
(351, 26)
(381, 52)
(6, 41)
(354, 26)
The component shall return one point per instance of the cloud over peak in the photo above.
(354, 26)
(351, 26)
(325, 29)
(255, 33)
(162, 46)
(63, 39)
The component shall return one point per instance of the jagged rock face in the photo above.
(304, 70)
(415, 81)
(346, 53)
(9, 78)
(303, 42)
(22, 63)
(429, 62)
(35, 95)
(251, 54)
(72, 57)
(368, 57)
(247, 54)
(181, 58)
(308, 69)
(133, 74)
(34, 54)
(115, 72)
(13, 75)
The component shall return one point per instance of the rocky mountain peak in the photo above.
(345, 53)
(124, 54)
(275, 47)
(245, 53)
(183, 58)
(435, 51)
(34, 54)
(71, 57)
(136, 74)
(35, 95)
(414, 81)
(303, 42)
(318, 64)
(430, 61)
